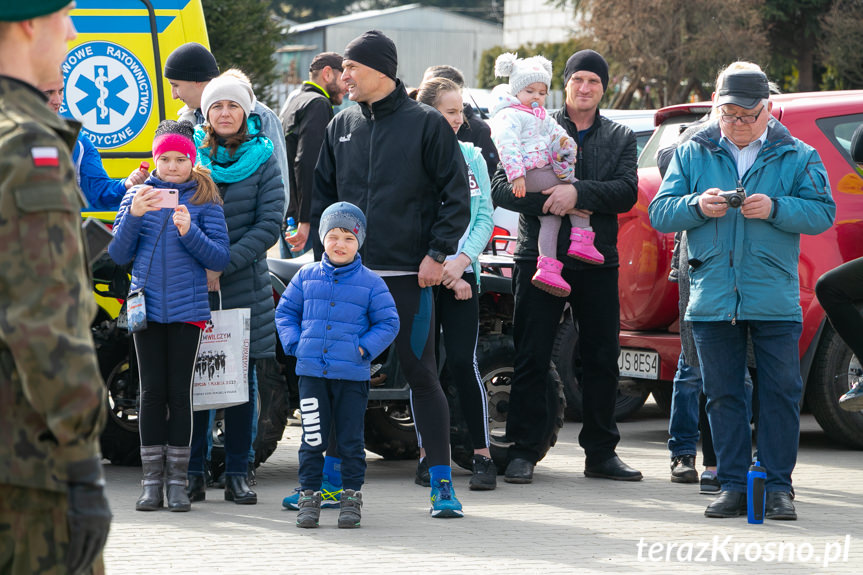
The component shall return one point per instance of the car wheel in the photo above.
(833, 370)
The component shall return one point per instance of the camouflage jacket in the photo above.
(52, 399)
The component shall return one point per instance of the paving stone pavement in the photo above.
(562, 523)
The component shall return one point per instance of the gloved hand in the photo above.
(89, 516)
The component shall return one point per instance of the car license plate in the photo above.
(638, 363)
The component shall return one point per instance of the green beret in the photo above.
(18, 11)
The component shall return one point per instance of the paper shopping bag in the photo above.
(222, 367)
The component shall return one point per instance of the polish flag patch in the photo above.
(45, 156)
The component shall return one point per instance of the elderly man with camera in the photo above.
(743, 258)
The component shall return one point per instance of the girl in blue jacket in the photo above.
(335, 317)
(171, 249)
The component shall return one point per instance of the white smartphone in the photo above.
(168, 198)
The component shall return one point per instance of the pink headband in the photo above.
(174, 143)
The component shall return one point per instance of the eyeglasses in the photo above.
(747, 119)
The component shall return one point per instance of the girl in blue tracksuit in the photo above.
(457, 299)
(171, 249)
(335, 317)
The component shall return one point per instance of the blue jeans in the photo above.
(238, 443)
(683, 423)
(722, 351)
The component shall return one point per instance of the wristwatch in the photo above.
(437, 256)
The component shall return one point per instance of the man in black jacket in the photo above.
(400, 162)
(305, 117)
(474, 130)
(606, 186)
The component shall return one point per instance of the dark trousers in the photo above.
(460, 322)
(166, 360)
(326, 404)
(839, 291)
(415, 346)
(596, 309)
(238, 434)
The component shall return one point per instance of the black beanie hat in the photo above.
(590, 61)
(191, 63)
(375, 50)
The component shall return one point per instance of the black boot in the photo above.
(153, 464)
(237, 490)
(197, 489)
(177, 461)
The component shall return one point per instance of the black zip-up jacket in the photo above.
(400, 162)
(476, 131)
(607, 185)
(305, 120)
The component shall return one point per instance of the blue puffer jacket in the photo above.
(176, 282)
(741, 268)
(253, 212)
(327, 313)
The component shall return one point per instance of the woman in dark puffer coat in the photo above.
(241, 159)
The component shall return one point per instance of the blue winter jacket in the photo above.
(175, 285)
(102, 192)
(745, 269)
(327, 313)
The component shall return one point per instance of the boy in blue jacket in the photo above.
(335, 317)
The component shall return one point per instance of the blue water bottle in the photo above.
(755, 499)
(291, 228)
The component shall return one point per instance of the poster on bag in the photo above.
(221, 377)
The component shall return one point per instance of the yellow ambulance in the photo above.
(113, 73)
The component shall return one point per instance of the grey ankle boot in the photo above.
(177, 459)
(153, 464)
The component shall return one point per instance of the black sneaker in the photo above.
(484, 476)
(423, 478)
(683, 469)
(709, 483)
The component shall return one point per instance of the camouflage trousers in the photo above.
(34, 536)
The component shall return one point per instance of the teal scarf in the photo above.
(226, 168)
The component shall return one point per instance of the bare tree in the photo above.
(841, 49)
(666, 51)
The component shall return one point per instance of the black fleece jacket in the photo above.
(607, 185)
(305, 120)
(400, 162)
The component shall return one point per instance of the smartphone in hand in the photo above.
(168, 198)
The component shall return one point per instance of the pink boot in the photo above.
(548, 278)
(581, 247)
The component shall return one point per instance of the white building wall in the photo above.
(535, 21)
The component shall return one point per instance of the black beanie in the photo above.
(590, 61)
(191, 63)
(375, 50)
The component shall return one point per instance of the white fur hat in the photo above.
(227, 87)
(522, 72)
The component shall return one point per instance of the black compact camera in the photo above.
(734, 199)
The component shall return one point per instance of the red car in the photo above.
(649, 321)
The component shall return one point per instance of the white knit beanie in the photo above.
(227, 87)
(522, 72)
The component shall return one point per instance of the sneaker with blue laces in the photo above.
(443, 500)
(331, 496)
(853, 400)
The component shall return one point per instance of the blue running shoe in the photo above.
(331, 496)
(443, 501)
(853, 400)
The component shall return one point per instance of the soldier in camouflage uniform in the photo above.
(54, 517)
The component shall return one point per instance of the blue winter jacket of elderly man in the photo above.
(328, 313)
(172, 268)
(745, 269)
